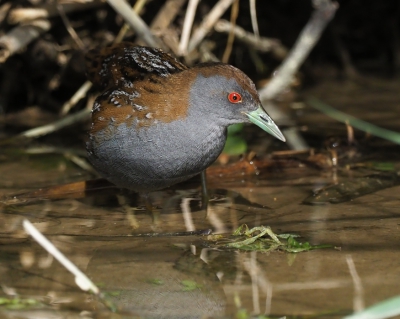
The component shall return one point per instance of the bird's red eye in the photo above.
(234, 97)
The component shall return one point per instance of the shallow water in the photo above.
(152, 267)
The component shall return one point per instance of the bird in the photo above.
(158, 122)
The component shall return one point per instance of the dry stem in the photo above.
(325, 10)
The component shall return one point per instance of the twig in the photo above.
(254, 281)
(187, 215)
(187, 26)
(19, 37)
(231, 35)
(259, 277)
(325, 10)
(81, 279)
(52, 127)
(137, 8)
(294, 139)
(53, 150)
(209, 21)
(49, 10)
(160, 26)
(82, 91)
(166, 15)
(253, 14)
(213, 216)
(80, 162)
(206, 54)
(261, 44)
(80, 94)
(358, 302)
(69, 27)
(4, 10)
(312, 285)
(135, 22)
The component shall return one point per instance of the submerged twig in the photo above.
(358, 303)
(259, 280)
(187, 215)
(325, 10)
(81, 279)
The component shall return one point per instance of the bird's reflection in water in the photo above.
(158, 278)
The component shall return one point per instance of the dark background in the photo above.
(362, 40)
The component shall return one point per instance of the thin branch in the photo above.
(324, 12)
(80, 94)
(49, 10)
(69, 27)
(161, 24)
(4, 10)
(166, 15)
(52, 127)
(82, 91)
(260, 44)
(231, 35)
(19, 37)
(81, 279)
(139, 5)
(187, 214)
(253, 14)
(260, 278)
(358, 302)
(135, 22)
(187, 26)
(208, 22)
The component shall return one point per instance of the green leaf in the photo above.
(235, 145)
(190, 285)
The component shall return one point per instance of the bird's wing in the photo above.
(123, 63)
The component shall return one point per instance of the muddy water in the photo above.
(174, 274)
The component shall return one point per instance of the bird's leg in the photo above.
(147, 203)
(152, 211)
(204, 192)
(123, 200)
(130, 211)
